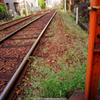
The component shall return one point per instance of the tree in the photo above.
(3, 11)
(42, 4)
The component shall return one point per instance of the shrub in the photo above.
(3, 11)
(24, 12)
(42, 4)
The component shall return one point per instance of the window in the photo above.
(7, 4)
(31, 4)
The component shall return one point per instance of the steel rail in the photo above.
(15, 76)
(1, 40)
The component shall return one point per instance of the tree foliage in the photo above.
(42, 4)
(67, 5)
(3, 11)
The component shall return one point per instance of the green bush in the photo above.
(42, 4)
(3, 11)
(24, 12)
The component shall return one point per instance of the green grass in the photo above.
(18, 41)
(45, 50)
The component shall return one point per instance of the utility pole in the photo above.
(70, 6)
(64, 5)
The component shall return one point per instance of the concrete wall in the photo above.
(28, 2)
(34, 3)
(11, 4)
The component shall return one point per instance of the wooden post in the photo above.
(93, 65)
(64, 5)
(77, 15)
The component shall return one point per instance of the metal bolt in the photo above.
(98, 36)
(99, 22)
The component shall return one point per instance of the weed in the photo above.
(28, 58)
(45, 50)
(54, 83)
(18, 41)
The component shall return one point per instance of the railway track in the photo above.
(7, 28)
(17, 48)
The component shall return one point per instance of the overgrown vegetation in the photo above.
(42, 4)
(53, 82)
(3, 11)
(69, 71)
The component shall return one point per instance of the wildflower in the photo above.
(45, 79)
(82, 78)
(57, 77)
(80, 67)
(83, 63)
(74, 62)
(55, 67)
(60, 78)
(78, 61)
(58, 70)
(71, 67)
(58, 83)
(79, 84)
(38, 82)
(34, 77)
(40, 75)
(52, 71)
(64, 68)
(73, 52)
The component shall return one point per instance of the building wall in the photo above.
(11, 4)
(50, 3)
(31, 4)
